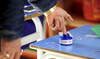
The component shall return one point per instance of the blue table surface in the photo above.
(83, 43)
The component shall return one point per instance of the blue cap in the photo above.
(65, 37)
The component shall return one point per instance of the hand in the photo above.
(10, 47)
(56, 19)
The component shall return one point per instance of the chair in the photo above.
(38, 35)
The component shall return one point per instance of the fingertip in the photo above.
(64, 32)
(71, 19)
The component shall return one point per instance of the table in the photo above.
(85, 44)
(31, 15)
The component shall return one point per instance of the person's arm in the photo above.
(11, 28)
(11, 19)
(55, 16)
(42, 6)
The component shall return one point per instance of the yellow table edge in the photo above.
(32, 16)
(45, 49)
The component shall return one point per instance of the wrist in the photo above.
(50, 11)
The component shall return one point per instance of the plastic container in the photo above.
(65, 40)
(91, 10)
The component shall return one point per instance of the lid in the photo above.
(65, 37)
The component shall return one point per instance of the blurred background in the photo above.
(84, 12)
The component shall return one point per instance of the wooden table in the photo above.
(31, 15)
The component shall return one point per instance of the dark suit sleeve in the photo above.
(42, 6)
(11, 19)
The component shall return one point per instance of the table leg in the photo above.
(39, 54)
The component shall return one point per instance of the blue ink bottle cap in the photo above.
(65, 39)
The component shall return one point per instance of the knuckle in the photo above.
(52, 28)
(57, 26)
(62, 28)
(50, 25)
(61, 21)
(69, 15)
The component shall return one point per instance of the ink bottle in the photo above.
(65, 40)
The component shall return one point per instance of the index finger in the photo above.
(64, 30)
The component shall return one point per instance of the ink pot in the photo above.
(65, 40)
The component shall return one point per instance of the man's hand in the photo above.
(56, 19)
(10, 47)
